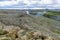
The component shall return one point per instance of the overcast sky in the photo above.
(42, 4)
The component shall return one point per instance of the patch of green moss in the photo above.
(2, 32)
(53, 13)
(5, 39)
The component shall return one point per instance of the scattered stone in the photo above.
(21, 33)
(12, 33)
(10, 27)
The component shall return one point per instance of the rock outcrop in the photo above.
(26, 27)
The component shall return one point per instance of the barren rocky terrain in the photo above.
(17, 25)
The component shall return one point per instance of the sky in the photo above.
(27, 4)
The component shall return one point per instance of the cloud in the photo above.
(57, 1)
(27, 2)
(46, 2)
(5, 3)
(31, 3)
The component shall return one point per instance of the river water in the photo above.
(43, 14)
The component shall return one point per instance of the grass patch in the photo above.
(53, 13)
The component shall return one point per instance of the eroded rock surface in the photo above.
(27, 27)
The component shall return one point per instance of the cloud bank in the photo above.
(31, 3)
